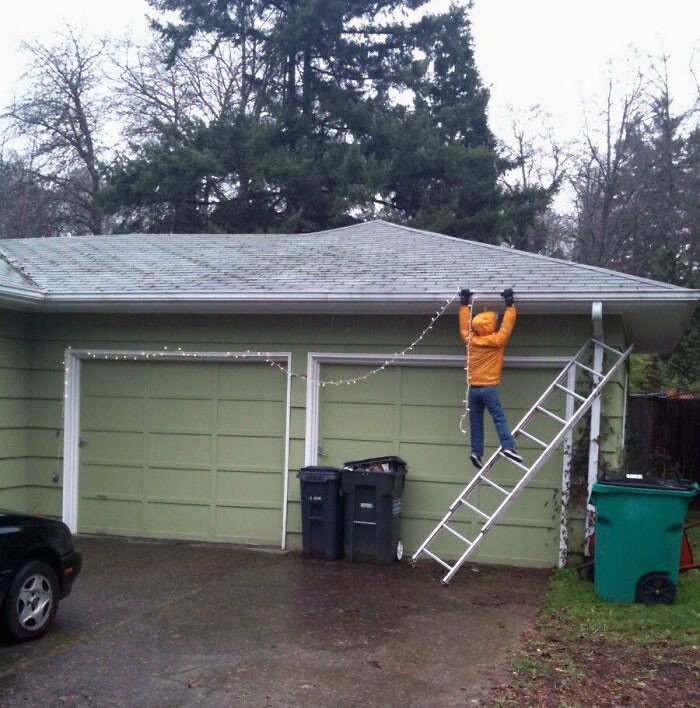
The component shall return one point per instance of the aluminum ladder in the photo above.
(576, 374)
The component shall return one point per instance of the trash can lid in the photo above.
(324, 471)
(651, 483)
(388, 463)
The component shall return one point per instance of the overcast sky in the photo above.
(548, 52)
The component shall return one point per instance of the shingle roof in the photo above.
(374, 258)
(370, 267)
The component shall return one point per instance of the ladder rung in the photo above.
(474, 509)
(495, 486)
(597, 374)
(612, 350)
(438, 559)
(466, 541)
(569, 392)
(551, 415)
(534, 439)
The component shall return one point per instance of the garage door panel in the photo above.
(520, 544)
(111, 480)
(179, 449)
(249, 453)
(250, 418)
(185, 484)
(112, 447)
(185, 415)
(379, 388)
(253, 382)
(114, 379)
(519, 389)
(248, 487)
(165, 520)
(442, 385)
(111, 516)
(437, 424)
(358, 420)
(185, 380)
(113, 413)
(429, 498)
(453, 460)
(246, 525)
(532, 503)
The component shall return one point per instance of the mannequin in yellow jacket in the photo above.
(485, 348)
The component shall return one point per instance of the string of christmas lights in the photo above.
(269, 359)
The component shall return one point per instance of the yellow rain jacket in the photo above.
(486, 345)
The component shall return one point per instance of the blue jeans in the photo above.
(481, 397)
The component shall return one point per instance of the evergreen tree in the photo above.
(342, 110)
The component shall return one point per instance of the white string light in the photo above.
(268, 358)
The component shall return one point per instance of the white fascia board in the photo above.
(349, 303)
(20, 298)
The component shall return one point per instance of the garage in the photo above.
(182, 449)
(414, 412)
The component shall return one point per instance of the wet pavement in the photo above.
(177, 624)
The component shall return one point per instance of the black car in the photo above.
(38, 565)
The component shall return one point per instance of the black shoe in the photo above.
(512, 455)
(476, 460)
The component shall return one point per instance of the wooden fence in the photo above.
(663, 437)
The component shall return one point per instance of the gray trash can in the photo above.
(373, 490)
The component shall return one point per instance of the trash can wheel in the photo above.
(399, 550)
(656, 588)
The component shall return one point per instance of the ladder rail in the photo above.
(599, 382)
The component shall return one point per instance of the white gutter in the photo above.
(594, 441)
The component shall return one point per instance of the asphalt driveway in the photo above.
(181, 624)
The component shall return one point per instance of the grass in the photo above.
(585, 651)
(573, 609)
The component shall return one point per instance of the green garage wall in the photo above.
(15, 409)
(39, 400)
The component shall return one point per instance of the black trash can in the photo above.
(373, 491)
(322, 512)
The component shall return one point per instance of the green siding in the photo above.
(15, 410)
(182, 450)
(423, 418)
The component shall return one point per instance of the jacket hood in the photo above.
(484, 324)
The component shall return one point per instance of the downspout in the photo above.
(594, 443)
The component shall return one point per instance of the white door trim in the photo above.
(71, 416)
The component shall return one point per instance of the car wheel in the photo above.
(32, 601)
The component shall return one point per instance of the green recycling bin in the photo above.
(638, 534)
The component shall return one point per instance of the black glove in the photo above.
(464, 296)
(507, 295)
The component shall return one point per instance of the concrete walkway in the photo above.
(177, 624)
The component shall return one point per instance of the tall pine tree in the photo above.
(344, 110)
